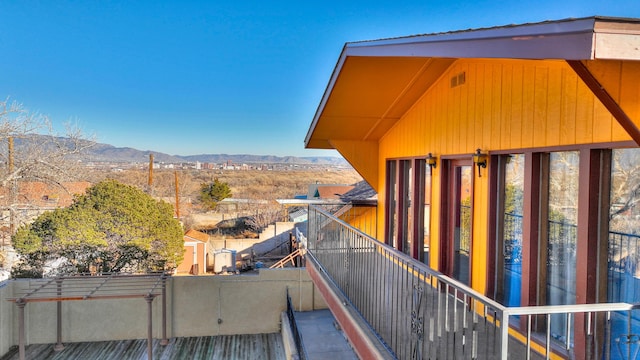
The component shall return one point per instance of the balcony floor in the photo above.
(321, 337)
(258, 346)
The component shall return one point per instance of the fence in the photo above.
(420, 313)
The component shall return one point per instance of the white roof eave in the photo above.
(567, 40)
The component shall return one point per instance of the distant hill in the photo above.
(105, 152)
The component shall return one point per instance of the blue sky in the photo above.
(235, 77)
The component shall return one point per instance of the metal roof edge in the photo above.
(325, 95)
(572, 24)
(563, 39)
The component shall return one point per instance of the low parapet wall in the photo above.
(196, 306)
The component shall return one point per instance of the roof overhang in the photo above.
(375, 82)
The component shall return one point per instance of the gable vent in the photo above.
(458, 79)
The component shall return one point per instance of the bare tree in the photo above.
(264, 213)
(39, 154)
(30, 150)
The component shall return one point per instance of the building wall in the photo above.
(187, 262)
(245, 304)
(6, 317)
(364, 219)
(502, 105)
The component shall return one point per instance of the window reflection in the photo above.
(562, 216)
(624, 241)
(512, 230)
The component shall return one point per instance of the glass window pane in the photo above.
(561, 235)
(392, 191)
(512, 229)
(462, 224)
(426, 237)
(623, 283)
(407, 212)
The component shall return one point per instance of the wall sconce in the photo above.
(480, 160)
(431, 160)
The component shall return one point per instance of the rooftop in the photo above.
(253, 346)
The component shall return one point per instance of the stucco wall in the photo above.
(245, 304)
(6, 317)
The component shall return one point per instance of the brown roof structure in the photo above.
(43, 195)
(197, 235)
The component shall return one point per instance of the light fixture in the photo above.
(480, 160)
(431, 160)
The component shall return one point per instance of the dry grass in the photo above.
(249, 184)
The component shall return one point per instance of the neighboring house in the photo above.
(506, 158)
(31, 199)
(195, 253)
(327, 191)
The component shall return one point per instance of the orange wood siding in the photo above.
(503, 105)
(364, 221)
(362, 156)
(621, 79)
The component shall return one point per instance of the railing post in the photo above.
(149, 299)
(59, 346)
(21, 303)
(165, 340)
(504, 335)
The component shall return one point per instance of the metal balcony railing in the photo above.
(420, 313)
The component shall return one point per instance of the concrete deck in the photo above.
(321, 337)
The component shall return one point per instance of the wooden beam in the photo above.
(607, 100)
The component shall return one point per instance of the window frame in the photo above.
(405, 198)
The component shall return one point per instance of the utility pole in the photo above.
(150, 185)
(177, 196)
(13, 192)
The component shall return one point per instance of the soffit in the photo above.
(371, 93)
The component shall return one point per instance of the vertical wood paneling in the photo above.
(630, 90)
(540, 106)
(506, 106)
(465, 135)
(510, 104)
(454, 116)
(485, 118)
(554, 105)
(621, 80)
(568, 106)
(448, 111)
(515, 121)
(528, 108)
(584, 115)
(602, 126)
(491, 140)
(472, 73)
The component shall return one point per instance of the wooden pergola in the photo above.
(101, 287)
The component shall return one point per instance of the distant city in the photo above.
(108, 157)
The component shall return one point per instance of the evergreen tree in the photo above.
(211, 194)
(113, 227)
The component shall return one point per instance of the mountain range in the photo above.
(104, 152)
